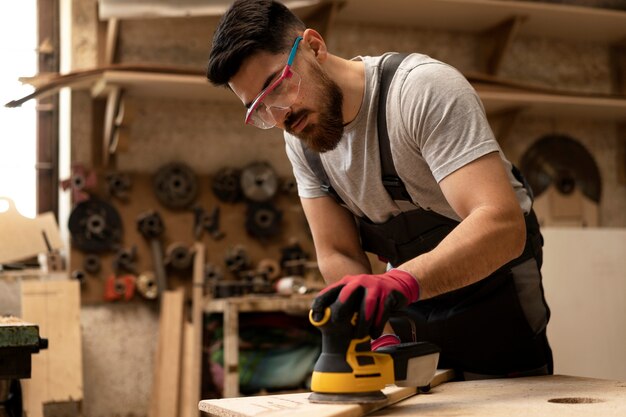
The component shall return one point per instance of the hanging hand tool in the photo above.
(348, 372)
(151, 228)
(203, 220)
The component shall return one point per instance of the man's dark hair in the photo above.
(249, 27)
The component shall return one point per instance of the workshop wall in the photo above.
(120, 339)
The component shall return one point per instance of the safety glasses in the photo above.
(280, 95)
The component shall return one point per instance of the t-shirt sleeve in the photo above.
(307, 181)
(442, 112)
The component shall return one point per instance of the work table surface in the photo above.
(548, 396)
(544, 396)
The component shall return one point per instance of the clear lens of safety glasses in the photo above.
(281, 96)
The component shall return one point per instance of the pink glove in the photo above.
(375, 297)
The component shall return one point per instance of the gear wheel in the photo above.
(175, 185)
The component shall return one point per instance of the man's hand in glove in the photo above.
(374, 297)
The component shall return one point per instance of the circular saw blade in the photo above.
(563, 162)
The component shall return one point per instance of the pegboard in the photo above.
(179, 228)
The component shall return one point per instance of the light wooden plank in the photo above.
(165, 390)
(584, 276)
(289, 405)
(26, 234)
(544, 396)
(251, 303)
(57, 371)
(231, 351)
(197, 319)
(188, 401)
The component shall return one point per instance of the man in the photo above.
(445, 210)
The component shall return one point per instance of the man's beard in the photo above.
(326, 134)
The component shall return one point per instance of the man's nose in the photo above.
(280, 114)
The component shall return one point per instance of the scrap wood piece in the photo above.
(167, 363)
(25, 237)
(57, 372)
(288, 405)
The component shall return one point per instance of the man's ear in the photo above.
(316, 43)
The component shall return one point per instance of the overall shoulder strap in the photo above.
(315, 163)
(392, 182)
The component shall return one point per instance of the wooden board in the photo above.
(584, 274)
(25, 235)
(545, 396)
(57, 372)
(167, 366)
(290, 405)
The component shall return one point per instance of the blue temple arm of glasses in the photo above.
(294, 48)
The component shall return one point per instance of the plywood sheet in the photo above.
(57, 372)
(22, 237)
(544, 396)
(584, 276)
(289, 405)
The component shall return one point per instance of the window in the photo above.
(18, 43)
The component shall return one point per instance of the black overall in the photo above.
(494, 327)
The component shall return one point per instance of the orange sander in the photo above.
(348, 372)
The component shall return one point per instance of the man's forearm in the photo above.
(478, 246)
(336, 265)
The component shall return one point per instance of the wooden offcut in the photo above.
(57, 372)
(167, 365)
(23, 237)
(289, 405)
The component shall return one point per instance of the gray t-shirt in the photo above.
(436, 125)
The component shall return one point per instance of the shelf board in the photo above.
(152, 85)
(500, 99)
(495, 98)
(541, 19)
(261, 303)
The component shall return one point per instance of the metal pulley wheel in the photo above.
(147, 286)
(175, 185)
(95, 226)
(91, 264)
(124, 260)
(269, 268)
(118, 185)
(178, 256)
(259, 182)
(226, 185)
(263, 220)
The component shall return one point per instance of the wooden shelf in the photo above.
(540, 19)
(141, 84)
(495, 98)
(259, 303)
(501, 99)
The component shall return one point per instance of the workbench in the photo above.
(542, 396)
(231, 307)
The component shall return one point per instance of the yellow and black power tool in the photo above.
(347, 371)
